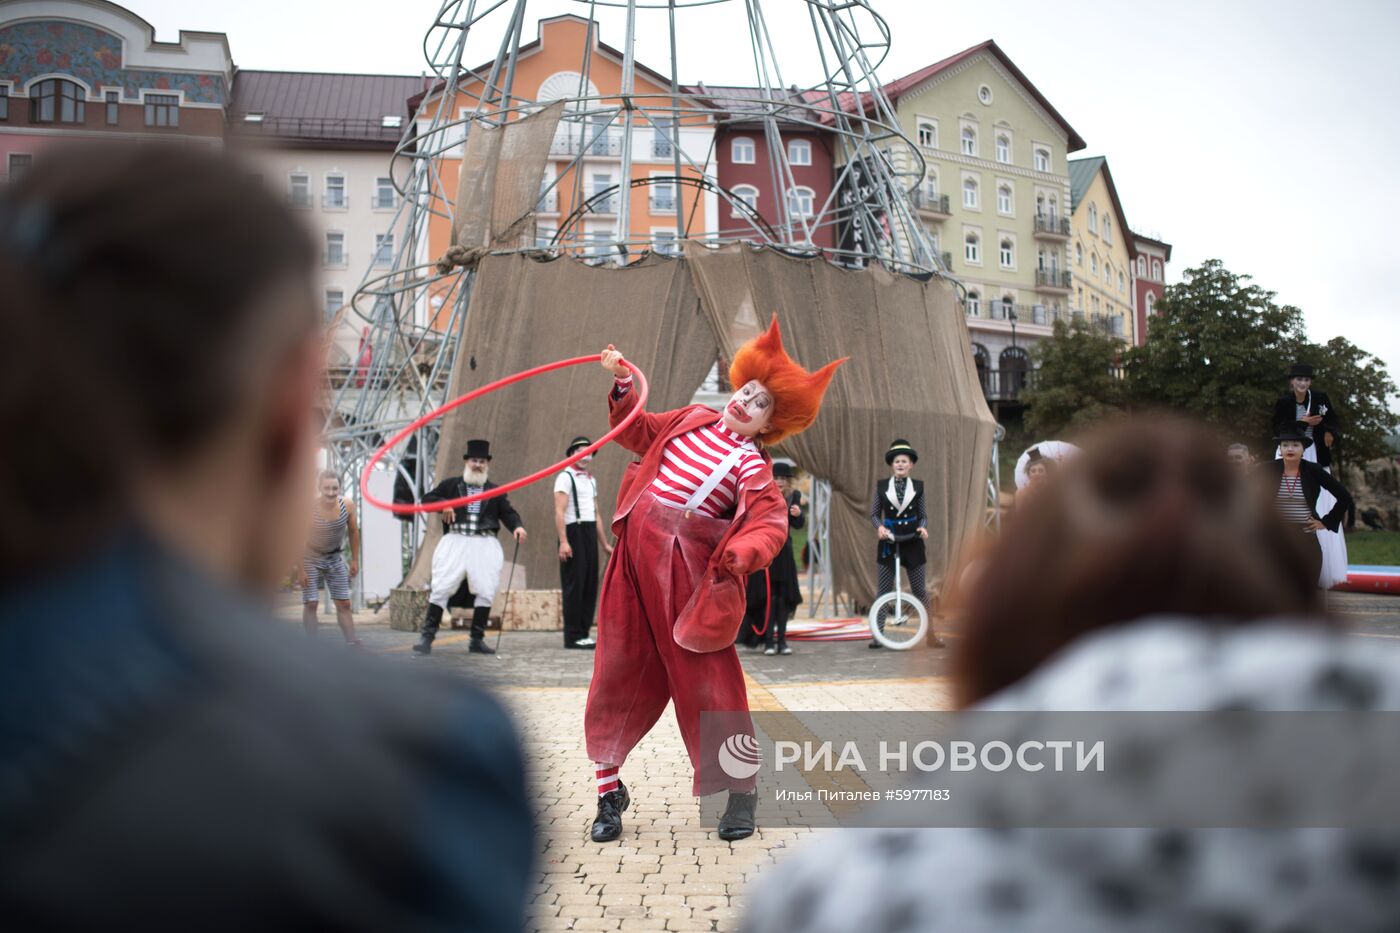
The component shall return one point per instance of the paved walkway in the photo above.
(668, 873)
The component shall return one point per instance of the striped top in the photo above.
(1291, 504)
(328, 535)
(689, 459)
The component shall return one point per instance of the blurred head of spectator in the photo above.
(164, 301)
(1148, 520)
(1238, 455)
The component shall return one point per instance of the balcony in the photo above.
(568, 143)
(1053, 280)
(384, 202)
(299, 199)
(1052, 227)
(1003, 311)
(662, 203)
(606, 204)
(931, 204)
(662, 149)
(548, 203)
(335, 258)
(335, 201)
(1005, 385)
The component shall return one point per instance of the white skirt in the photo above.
(1332, 543)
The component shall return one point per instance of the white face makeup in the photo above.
(1301, 384)
(750, 410)
(1291, 450)
(901, 465)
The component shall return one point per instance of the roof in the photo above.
(909, 82)
(1142, 238)
(323, 107)
(739, 101)
(1081, 176)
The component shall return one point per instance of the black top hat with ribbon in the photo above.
(783, 468)
(575, 444)
(478, 449)
(901, 446)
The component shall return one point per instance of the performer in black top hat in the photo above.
(580, 537)
(898, 510)
(1298, 488)
(778, 592)
(469, 550)
(1310, 412)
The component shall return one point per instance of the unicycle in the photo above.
(906, 622)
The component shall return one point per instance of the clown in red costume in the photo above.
(695, 516)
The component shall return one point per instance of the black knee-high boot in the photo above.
(431, 622)
(480, 615)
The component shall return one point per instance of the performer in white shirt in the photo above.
(580, 538)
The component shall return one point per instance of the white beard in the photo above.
(475, 477)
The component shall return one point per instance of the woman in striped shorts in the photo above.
(323, 563)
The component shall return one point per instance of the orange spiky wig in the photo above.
(797, 394)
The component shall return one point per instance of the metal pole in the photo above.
(629, 71)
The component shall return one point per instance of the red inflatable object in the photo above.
(415, 508)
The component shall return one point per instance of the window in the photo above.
(390, 121)
(970, 193)
(20, 162)
(1003, 149)
(383, 249)
(1108, 271)
(57, 101)
(799, 152)
(162, 110)
(254, 116)
(1094, 263)
(1151, 300)
(661, 147)
(1040, 260)
(299, 190)
(544, 236)
(1008, 254)
(1093, 220)
(335, 249)
(984, 94)
(741, 150)
(969, 141)
(1008, 308)
(928, 135)
(747, 194)
(974, 304)
(602, 182)
(800, 202)
(1040, 205)
(335, 300)
(1042, 160)
(1107, 230)
(1120, 281)
(1142, 268)
(112, 100)
(4, 102)
(384, 193)
(665, 242)
(1004, 199)
(335, 192)
(663, 196)
(1156, 270)
(1095, 300)
(972, 248)
(1078, 254)
(931, 183)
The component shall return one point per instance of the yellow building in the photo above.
(1101, 249)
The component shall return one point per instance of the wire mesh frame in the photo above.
(416, 315)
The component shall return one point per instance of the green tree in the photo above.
(1077, 383)
(1359, 386)
(1218, 350)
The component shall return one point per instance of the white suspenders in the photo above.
(713, 480)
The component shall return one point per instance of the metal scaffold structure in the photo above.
(411, 318)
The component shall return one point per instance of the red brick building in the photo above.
(1150, 258)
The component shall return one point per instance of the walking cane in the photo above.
(505, 606)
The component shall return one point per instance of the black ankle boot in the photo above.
(431, 623)
(607, 826)
(480, 616)
(738, 819)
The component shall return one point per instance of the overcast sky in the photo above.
(1265, 134)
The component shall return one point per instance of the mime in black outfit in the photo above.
(779, 591)
(898, 510)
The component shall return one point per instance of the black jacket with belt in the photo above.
(1286, 419)
(1314, 479)
(492, 513)
(901, 518)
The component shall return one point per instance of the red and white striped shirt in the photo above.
(689, 459)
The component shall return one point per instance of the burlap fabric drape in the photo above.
(499, 182)
(911, 374)
(524, 312)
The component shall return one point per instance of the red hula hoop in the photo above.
(417, 508)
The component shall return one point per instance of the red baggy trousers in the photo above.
(661, 555)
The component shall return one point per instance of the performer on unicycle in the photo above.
(695, 515)
(898, 511)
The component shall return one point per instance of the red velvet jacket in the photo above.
(756, 533)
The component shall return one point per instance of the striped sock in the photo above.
(607, 777)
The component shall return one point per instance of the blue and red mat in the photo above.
(1371, 578)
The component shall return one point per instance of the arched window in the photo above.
(969, 141)
(931, 182)
(799, 152)
(1004, 199)
(1042, 160)
(800, 202)
(970, 198)
(974, 304)
(741, 150)
(55, 100)
(928, 135)
(1015, 362)
(1150, 302)
(972, 248)
(1094, 263)
(1040, 259)
(1054, 206)
(1156, 270)
(1007, 311)
(1079, 254)
(1142, 268)
(1040, 205)
(1093, 220)
(1008, 254)
(1003, 148)
(983, 361)
(1121, 283)
(1107, 230)
(1108, 272)
(746, 193)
